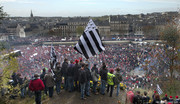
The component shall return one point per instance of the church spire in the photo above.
(31, 14)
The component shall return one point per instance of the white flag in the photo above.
(53, 59)
(90, 42)
(159, 90)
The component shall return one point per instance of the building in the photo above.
(20, 31)
(69, 26)
(119, 25)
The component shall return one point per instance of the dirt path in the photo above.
(74, 98)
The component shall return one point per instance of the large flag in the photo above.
(90, 42)
(159, 90)
(53, 57)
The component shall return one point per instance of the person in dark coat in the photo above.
(58, 77)
(103, 74)
(42, 78)
(171, 100)
(89, 77)
(156, 99)
(70, 75)
(49, 80)
(76, 74)
(177, 101)
(165, 98)
(82, 80)
(95, 77)
(64, 73)
(153, 96)
(21, 84)
(145, 98)
(118, 79)
(14, 78)
(137, 99)
(36, 85)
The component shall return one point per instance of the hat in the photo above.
(76, 61)
(176, 97)
(44, 69)
(36, 75)
(170, 96)
(166, 95)
(154, 91)
(111, 70)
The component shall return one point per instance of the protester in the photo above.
(95, 77)
(64, 73)
(26, 84)
(171, 100)
(42, 78)
(153, 96)
(88, 77)
(165, 98)
(177, 101)
(137, 99)
(21, 84)
(129, 96)
(103, 74)
(110, 81)
(14, 78)
(118, 79)
(156, 99)
(145, 98)
(36, 85)
(82, 80)
(49, 80)
(76, 74)
(58, 77)
(70, 75)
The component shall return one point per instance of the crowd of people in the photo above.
(126, 56)
(37, 57)
(139, 98)
(77, 76)
(113, 66)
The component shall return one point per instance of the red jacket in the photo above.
(36, 85)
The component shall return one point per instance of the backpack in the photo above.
(139, 100)
(118, 78)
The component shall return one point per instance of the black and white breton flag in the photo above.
(53, 60)
(90, 42)
(159, 90)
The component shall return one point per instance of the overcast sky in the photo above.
(66, 8)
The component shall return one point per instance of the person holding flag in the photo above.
(58, 77)
(53, 59)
